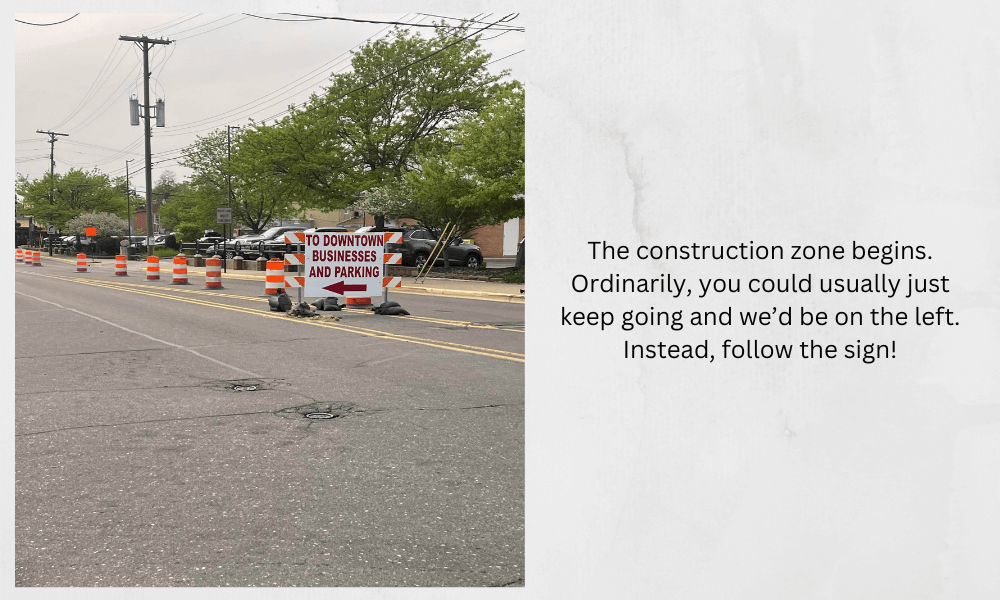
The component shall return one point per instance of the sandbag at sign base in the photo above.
(389, 308)
(327, 304)
(280, 303)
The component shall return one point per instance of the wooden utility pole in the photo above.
(52, 173)
(145, 43)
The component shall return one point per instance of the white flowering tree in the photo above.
(106, 223)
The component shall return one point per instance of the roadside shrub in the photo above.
(513, 276)
(168, 252)
(107, 246)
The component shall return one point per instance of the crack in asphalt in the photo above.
(241, 414)
(519, 580)
(377, 410)
(98, 425)
(95, 352)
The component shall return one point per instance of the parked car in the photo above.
(276, 248)
(210, 237)
(418, 244)
(249, 246)
(157, 241)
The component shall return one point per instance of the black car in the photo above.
(277, 247)
(418, 244)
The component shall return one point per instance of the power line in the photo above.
(86, 95)
(464, 20)
(165, 26)
(407, 66)
(285, 20)
(368, 21)
(199, 26)
(213, 29)
(47, 24)
(254, 104)
(503, 57)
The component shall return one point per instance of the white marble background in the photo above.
(781, 123)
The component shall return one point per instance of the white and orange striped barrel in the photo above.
(213, 272)
(121, 265)
(20, 255)
(274, 277)
(81, 263)
(180, 269)
(153, 268)
(37, 258)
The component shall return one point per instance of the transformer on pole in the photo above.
(145, 43)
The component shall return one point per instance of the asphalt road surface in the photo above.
(169, 435)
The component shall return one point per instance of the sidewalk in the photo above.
(458, 288)
(486, 290)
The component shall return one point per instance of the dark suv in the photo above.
(418, 244)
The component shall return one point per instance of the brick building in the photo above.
(495, 241)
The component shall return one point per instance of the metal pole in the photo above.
(229, 179)
(128, 210)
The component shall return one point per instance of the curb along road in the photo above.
(457, 288)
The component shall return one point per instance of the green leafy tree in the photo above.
(188, 215)
(166, 187)
(479, 178)
(258, 196)
(364, 130)
(71, 194)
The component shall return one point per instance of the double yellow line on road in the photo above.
(157, 293)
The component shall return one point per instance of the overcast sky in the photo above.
(221, 69)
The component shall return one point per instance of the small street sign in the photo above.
(223, 215)
(344, 264)
(51, 230)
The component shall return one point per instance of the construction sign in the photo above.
(344, 264)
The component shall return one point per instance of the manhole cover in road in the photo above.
(244, 385)
(318, 411)
(321, 415)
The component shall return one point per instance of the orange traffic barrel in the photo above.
(363, 301)
(121, 265)
(153, 268)
(20, 255)
(37, 257)
(274, 277)
(180, 269)
(81, 263)
(213, 272)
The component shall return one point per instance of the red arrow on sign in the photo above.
(340, 287)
